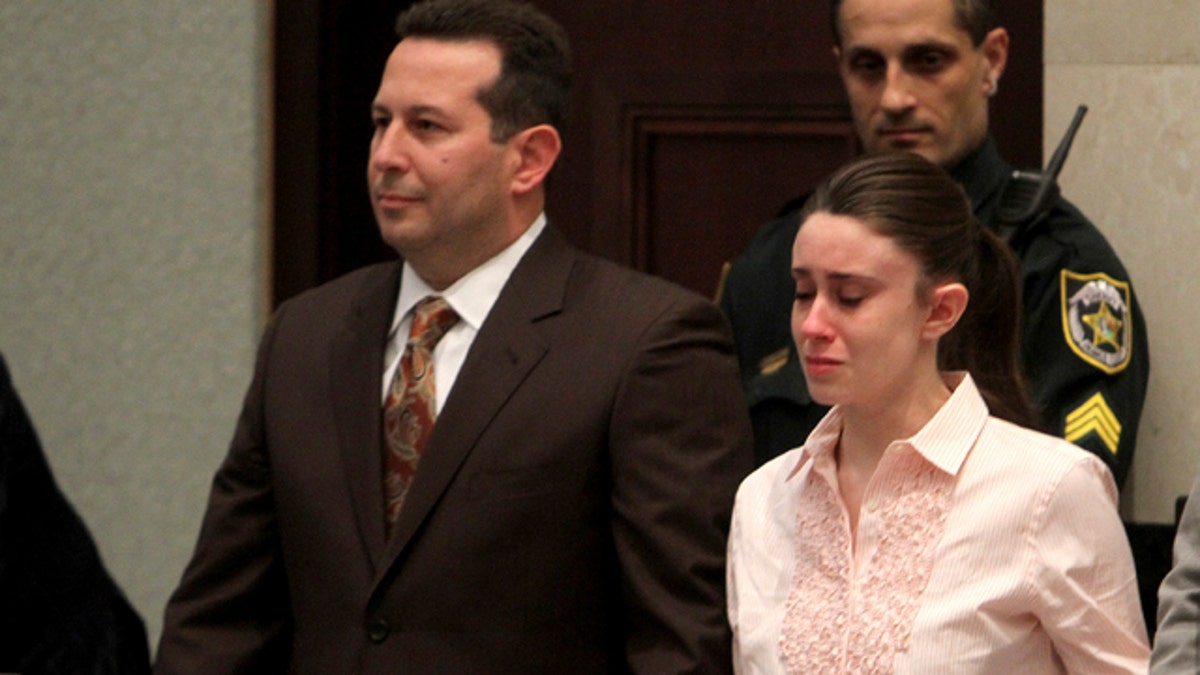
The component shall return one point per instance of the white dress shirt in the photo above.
(471, 297)
(982, 547)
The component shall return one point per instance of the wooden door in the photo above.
(692, 124)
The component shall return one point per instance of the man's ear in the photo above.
(947, 302)
(995, 54)
(536, 148)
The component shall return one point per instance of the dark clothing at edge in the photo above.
(60, 612)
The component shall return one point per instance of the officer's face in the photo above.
(914, 79)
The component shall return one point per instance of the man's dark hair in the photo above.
(976, 17)
(535, 71)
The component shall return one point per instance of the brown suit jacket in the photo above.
(569, 514)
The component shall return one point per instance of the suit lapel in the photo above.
(356, 373)
(505, 351)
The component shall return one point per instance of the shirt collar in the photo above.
(944, 441)
(472, 296)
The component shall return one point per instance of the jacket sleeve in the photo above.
(1177, 641)
(229, 613)
(680, 444)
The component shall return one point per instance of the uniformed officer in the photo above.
(918, 75)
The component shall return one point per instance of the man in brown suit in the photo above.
(569, 510)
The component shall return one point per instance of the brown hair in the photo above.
(535, 73)
(976, 17)
(925, 212)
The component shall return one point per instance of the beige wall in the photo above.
(1135, 170)
(132, 225)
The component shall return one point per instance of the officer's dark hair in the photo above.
(917, 205)
(976, 17)
(535, 71)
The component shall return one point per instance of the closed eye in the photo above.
(850, 301)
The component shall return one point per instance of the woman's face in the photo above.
(858, 322)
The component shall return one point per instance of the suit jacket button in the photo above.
(378, 630)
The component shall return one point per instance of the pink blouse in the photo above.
(982, 547)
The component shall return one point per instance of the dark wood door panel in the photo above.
(725, 117)
(704, 185)
(691, 124)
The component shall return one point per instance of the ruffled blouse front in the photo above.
(981, 547)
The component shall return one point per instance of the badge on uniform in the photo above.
(1096, 319)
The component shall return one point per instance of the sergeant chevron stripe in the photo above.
(1094, 416)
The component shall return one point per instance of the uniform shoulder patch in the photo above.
(1097, 320)
(1094, 416)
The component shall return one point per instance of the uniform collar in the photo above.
(983, 174)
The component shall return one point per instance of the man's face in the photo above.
(914, 79)
(440, 186)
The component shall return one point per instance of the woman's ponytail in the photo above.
(986, 341)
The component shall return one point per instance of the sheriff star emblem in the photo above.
(1097, 320)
